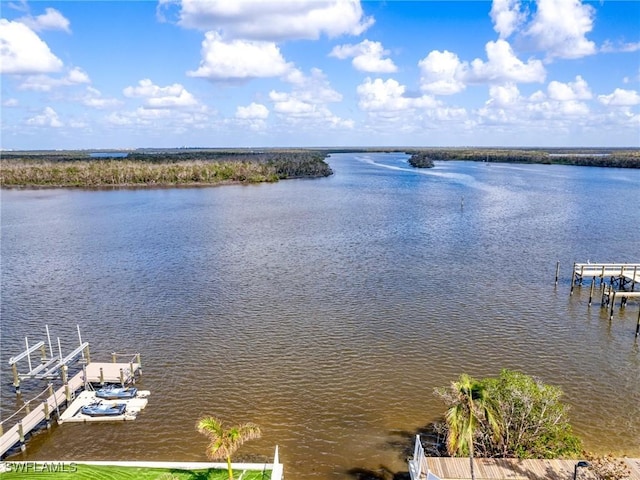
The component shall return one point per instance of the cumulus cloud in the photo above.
(272, 21)
(620, 98)
(442, 73)
(367, 56)
(52, 19)
(252, 111)
(46, 83)
(559, 28)
(22, 51)
(502, 65)
(48, 118)
(506, 16)
(93, 98)
(239, 59)
(389, 96)
(308, 100)
(172, 96)
(578, 90)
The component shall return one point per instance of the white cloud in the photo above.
(559, 28)
(442, 73)
(48, 118)
(52, 19)
(308, 100)
(239, 59)
(506, 16)
(46, 83)
(503, 66)
(10, 102)
(578, 90)
(367, 56)
(22, 51)
(172, 96)
(252, 111)
(389, 96)
(620, 98)
(273, 21)
(93, 98)
(609, 47)
(504, 96)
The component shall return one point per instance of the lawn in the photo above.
(72, 471)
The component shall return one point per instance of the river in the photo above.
(327, 310)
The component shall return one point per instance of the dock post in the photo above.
(43, 353)
(602, 276)
(2, 429)
(23, 447)
(47, 413)
(581, 274)
(638, 325)
(633, 283)
(132, 371)
(87, 354)
(63, 373)
(67, 392)
(613, 303)
(113, 357)
(573, 278)
(50, 388)
(557, 271)
(122, 377)
(27, 407)
(101, 376)
(139, 363)
(16, 378)
(593, 281)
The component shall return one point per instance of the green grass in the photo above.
(72, 471)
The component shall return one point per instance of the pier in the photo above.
(618, 281)
(40, 410)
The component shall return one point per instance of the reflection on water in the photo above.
(328, 310)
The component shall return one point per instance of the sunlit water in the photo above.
(327, 310)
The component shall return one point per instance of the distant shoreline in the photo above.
(167, 168)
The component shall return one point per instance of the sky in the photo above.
(296, 73)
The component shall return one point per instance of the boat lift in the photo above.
(49, 367)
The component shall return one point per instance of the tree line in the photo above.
(79, 169)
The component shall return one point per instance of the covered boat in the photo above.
(103, 410)
(112, 392)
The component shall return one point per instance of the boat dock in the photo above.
(618, 281)
(38, 411)
(73, 413)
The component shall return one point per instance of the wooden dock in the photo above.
(446, 468)
(100, 373)
(622, 273)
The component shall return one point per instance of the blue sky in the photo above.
(252, 73)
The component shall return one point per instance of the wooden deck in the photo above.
(447, 468)
(629, 271)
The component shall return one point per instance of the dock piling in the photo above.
(593, 281)
(557, 271)
(573, 278)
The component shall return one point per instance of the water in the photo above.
(328, 310)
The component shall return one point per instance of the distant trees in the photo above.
(530, 421)
(160, 168)
(579, 157)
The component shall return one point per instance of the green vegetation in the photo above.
(423, 158)
(530, 421)
(77, 169)
(225, 441)
(71, 471)
(470, 408)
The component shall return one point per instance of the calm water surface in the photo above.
(327, 310)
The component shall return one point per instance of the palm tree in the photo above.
(224, 442)
(470, 409)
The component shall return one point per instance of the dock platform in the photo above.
(96, 372)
